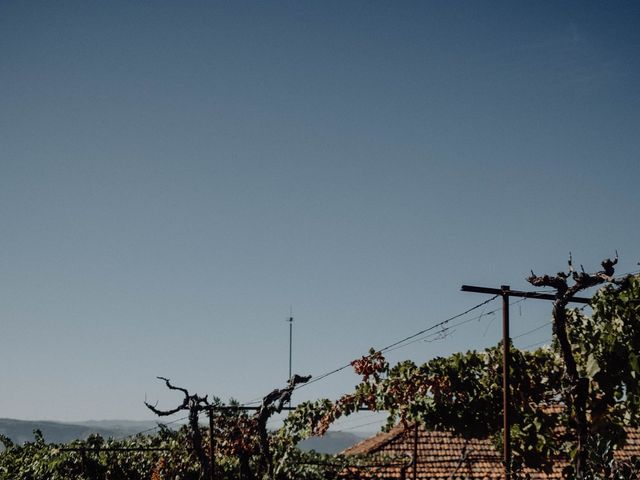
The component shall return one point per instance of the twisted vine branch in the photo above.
(194, 404)
(272, 403)
(579, 385)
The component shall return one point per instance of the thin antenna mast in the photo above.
(290, 320)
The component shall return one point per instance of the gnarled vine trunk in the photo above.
(194, 404)
(579, 392)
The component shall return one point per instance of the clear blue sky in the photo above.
(175, 175)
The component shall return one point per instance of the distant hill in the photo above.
(331, 442)
(20, 431)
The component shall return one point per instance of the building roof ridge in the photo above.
(379, 440)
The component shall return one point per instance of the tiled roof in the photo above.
(444, 455)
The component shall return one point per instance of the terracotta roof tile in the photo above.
(443, 454)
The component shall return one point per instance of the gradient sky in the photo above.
(175, 175)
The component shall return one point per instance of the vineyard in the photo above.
(163, 455)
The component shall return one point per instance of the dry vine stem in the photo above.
(272, 403)
(579, 385)
(194, 404)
